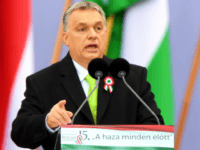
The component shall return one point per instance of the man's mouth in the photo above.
(91, 47)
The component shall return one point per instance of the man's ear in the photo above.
(65, 38)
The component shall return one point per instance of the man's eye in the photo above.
(82, 29)
(98, 28)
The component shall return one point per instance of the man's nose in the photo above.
(92, 34)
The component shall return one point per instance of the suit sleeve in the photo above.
(28, 128)
(144, 115)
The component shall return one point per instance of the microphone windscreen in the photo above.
(118, 65)
(96, 65)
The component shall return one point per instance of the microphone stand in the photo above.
(141, 100)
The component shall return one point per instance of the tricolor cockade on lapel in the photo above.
(108, 84)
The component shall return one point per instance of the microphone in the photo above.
(119, 68)
(97, 69)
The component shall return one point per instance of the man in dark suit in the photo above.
(55, 93)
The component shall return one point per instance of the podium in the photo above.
(117, 137)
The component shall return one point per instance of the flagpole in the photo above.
(109, 26)
(188, 97)
(58, 43)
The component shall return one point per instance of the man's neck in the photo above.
(83, 64)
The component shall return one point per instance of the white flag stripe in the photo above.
(26, 68)
(144, 27)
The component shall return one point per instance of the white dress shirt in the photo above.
(82, 73)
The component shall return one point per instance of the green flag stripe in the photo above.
(115, 6)
(160, 77)
(114, 49)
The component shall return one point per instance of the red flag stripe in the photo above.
(15, 21)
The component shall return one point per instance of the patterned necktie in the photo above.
(93, 98)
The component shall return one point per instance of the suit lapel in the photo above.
(72, 85)
(104, 96)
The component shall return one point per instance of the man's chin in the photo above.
(92, 56)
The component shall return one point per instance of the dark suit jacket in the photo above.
(60, 81)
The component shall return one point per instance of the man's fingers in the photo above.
(64, 115)
(57, 122)
(70, 114)
(62, 103)
(59, 117)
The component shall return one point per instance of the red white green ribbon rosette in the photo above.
(108, 84)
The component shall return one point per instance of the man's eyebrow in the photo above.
(83, 23)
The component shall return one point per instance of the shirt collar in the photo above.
(82, 72)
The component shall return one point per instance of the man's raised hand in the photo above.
(58, 115)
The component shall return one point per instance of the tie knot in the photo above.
(90, 80)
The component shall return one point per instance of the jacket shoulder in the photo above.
(137, 68)
(136, 71)
(49, 72)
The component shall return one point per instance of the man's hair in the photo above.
(81, 5)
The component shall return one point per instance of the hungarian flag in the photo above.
(140, 34)
(16, 63)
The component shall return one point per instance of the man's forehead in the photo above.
(84, 15)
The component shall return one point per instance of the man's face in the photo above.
(86, 36)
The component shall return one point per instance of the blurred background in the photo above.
(161, 35)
